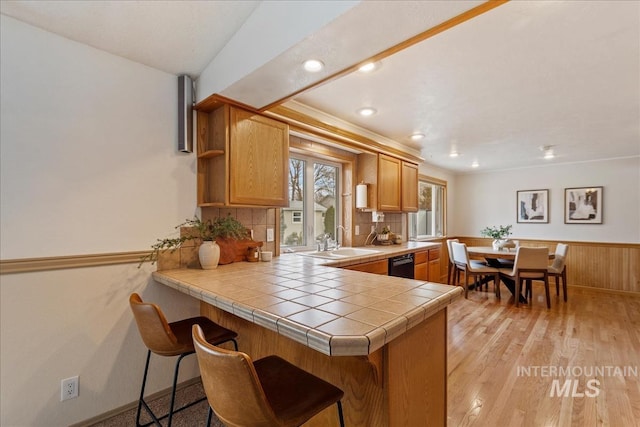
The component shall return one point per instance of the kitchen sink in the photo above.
(341, 253)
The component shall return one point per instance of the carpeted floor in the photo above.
(195, 416)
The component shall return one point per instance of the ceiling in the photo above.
(495, 88)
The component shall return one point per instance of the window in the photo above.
(429, 221)
(313, 202)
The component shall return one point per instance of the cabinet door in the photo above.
(434, 271)
(258, 160)
(409, 187)
(376, 267)
(389, 191)
(420, 271)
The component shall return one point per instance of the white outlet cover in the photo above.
(270, 236)
(69, 388)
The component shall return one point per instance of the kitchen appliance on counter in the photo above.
(402, 266)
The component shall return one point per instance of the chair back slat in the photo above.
(460, 255)
(560, 257)
(450, 250)
(153, 326)
(232, 385)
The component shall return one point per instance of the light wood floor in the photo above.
(489, 340)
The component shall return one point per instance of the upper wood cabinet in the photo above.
(243, 159)
(409, 187)
(393, 183)
(389, 184)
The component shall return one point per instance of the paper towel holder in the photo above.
(362, 200)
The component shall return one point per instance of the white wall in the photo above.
(88, 165)
(485, 199)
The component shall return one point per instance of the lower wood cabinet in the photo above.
(376, 267)
(427, 265)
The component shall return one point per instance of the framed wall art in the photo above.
(533, 206)
(583, 205)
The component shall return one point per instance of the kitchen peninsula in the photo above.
(381, 339)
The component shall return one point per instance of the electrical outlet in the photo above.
(270, 236)
(69, 388)
(357, 230)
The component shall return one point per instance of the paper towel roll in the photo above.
(361, 196)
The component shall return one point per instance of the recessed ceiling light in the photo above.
(454, 154)
(367, 111)
(313, 65)
(368, 67)
(548, 151)
(417, 136)
(475, 164)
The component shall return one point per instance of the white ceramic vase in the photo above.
(209, 254)
(497, 244)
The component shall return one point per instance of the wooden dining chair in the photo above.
(452, 266)
(477, 270)
(530, 264)
(269, 392)
(558, 270)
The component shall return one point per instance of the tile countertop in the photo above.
(335, 311)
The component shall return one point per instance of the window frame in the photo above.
(412, 215)
(308, 211)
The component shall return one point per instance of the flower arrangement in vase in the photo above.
(498, 234)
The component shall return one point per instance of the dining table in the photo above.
(499, 258)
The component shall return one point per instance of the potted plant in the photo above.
(207, 231)
(498, 234)
(384, 235)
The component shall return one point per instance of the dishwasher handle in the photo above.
(402, 260)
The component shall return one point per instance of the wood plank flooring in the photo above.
(492, 344)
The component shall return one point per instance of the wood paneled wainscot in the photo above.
(243, 159)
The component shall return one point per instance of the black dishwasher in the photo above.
(402, 266)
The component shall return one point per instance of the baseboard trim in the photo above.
(133, 405)
(606, 291)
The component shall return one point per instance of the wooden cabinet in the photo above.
(376, 267)
(434, 265)
(243, 159)
(393, 183)
(389, 184)
(421, 266)
(427, 265)
(409, 187)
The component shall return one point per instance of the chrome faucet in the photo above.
(346, 230)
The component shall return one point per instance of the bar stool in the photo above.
(269, 392)
(170, 339)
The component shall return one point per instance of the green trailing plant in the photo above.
(385, 230)
(496, 233)
(225, 227)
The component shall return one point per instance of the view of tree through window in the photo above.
(313, 189)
